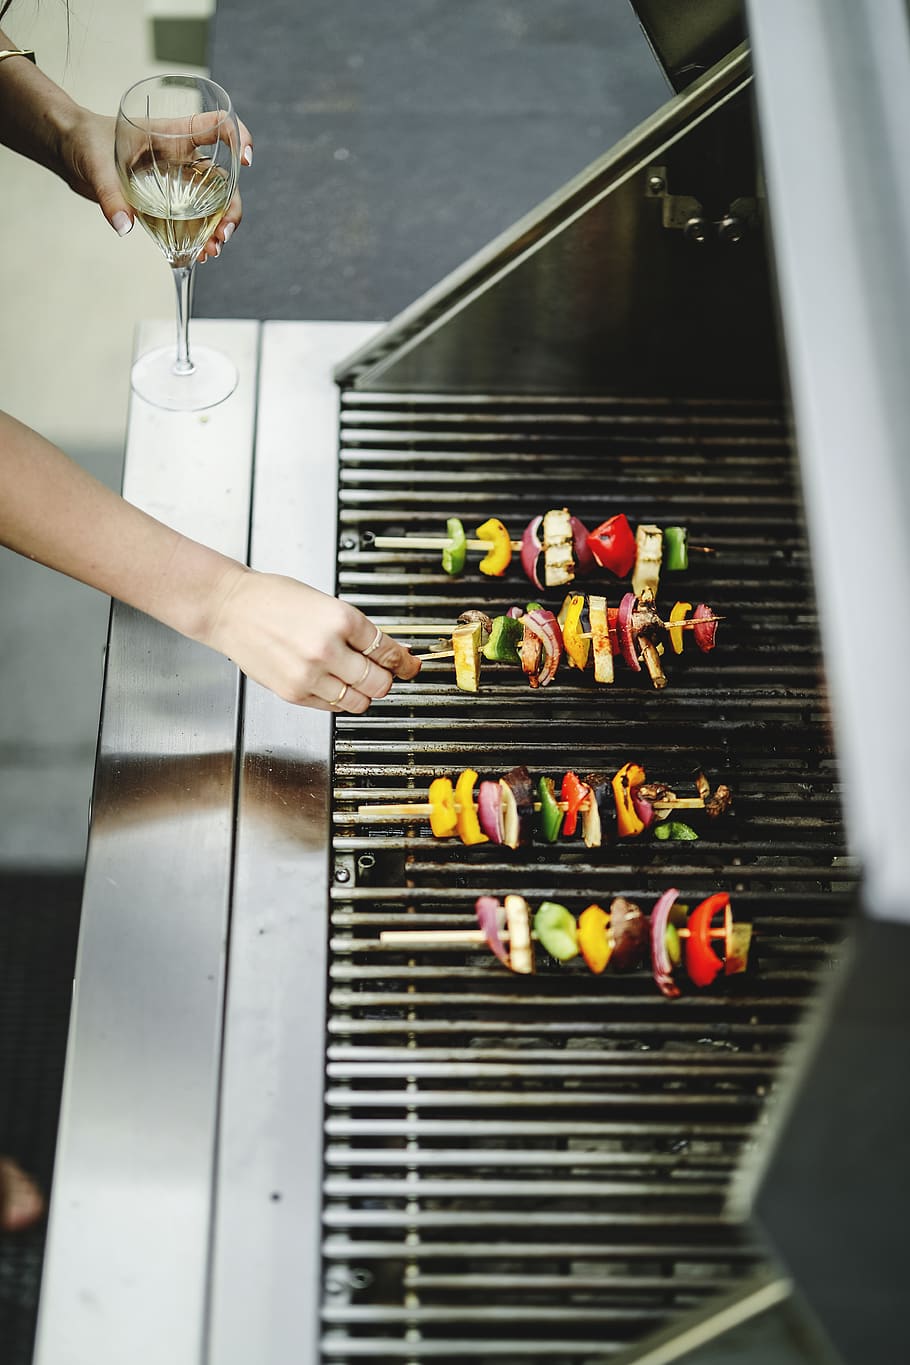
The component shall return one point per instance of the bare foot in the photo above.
(21, 1202)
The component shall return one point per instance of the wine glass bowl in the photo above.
(176, 147)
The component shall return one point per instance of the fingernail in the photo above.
(247, 157)
(121, 223)
(217, 249)
(228, 230)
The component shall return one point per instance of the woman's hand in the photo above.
(309, 648)
(86, 163)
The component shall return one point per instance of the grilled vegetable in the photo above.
(676, 548)
(499, 556)
(518, 923)
(625, 629)
(678, 612)
(467, 823)
(555, 928)
(489, 810)
(491, 917)
(558, 547)
(532, 551)
(661, 962)
(613, 545)
(443, 817)
(648, 555)
(628, 822)
(600, 633)
(573, 794)
(455, 551)
(505, 635)
(544, 625)
(630, 933)
(594, 937)
(516, 790)
(577, 645)
(674, 829)
(550, 816)
(466, 644)
(704, 630)
(702, 963)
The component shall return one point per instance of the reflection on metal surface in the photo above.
(266, 1254)
(129, 1227)
(590, 295)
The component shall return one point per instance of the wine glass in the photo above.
(176, 146)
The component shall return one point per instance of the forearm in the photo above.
(53, 511)
(35, 113)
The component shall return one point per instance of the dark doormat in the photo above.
(39, 925)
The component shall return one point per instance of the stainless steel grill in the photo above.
(526, 1166)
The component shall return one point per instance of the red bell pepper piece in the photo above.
(702, 963)
(574, 793)
(613, 545)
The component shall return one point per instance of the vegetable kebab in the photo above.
(556, 548)
(622, 937)
(539, 640)
(506, 812)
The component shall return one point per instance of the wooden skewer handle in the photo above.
(431, 543)
(423, 808)
(415, 937)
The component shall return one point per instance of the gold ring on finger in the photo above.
(373, 645)
(341, 695)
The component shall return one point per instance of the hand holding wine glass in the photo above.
(177, 151)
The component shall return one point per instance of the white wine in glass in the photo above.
(177, 147)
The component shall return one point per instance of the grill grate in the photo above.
(519, 1167)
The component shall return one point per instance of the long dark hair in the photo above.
(6, 4)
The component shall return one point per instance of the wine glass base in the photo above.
(213, 378)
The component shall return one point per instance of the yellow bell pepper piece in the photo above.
(577, 647)
(467, 823)
(443, 819)
(679, 613)
(499, 556)
(628, 821)
(594, 937)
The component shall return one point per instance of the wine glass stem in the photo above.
(183, 280)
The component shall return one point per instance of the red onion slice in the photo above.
(546, 627)
(531, 550)
(584, 559)
(625, 632)
(661, 966)
(489, 810)
(491, 917)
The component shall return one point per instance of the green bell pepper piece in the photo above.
(676, 547)
(674, 829)
(455, 553)
(549, 815)
(502, 646)
(556, 930)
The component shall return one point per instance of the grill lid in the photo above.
(647, 273)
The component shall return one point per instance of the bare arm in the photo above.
(40, 121)
(297, 641)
